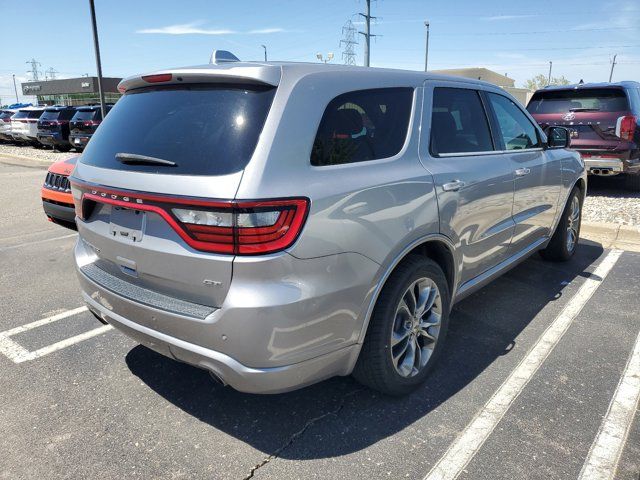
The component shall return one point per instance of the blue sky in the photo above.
(517, 37)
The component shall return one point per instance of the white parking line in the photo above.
(35, 242)
(605, 452)
(464, 448)
(18, 354)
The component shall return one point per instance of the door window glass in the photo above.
(516, 129)
(458, 122)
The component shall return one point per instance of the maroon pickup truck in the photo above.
(603, 121)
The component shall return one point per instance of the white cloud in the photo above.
(195, 28)
(497, 18)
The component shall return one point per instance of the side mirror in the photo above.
(558, 137)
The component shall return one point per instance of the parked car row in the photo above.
(60, 127)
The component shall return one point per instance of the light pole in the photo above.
(98, 64)
(265, 52)
(549, 79)
(15, 88)
(325, 60)
(613, 64)
(426, 48)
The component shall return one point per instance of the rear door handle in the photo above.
(453, 186)
(521, 172)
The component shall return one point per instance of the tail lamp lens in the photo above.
(234, 227)
(626, 126)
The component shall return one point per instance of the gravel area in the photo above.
(37, 153)
(608, 201)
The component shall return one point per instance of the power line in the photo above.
(50, 74)
(457, 34)
(349, 42)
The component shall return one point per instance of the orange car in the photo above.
(57, 200)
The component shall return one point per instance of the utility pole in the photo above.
(549, 79)
(613, 64)
(349, 40)
(426, 47)
(35, 73)
(98, 64)
(265, 52)
(367, 33)
(15, 88)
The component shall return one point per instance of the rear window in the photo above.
(86, 115)
(4, 115)
(363, 125)
(50, 115)
(34, 114)
(20, 115)
(583, 99)
(204, 129)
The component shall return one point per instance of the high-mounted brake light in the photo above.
(232, 227)
(626, 126)
(157, 78)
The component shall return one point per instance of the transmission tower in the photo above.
(349, 42)
(35, 73)
(50, 74)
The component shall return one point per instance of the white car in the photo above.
(5, 123)
(24, 125)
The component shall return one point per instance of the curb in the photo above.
(24, 161)
(612, 235)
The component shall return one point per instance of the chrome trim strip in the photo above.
(492, 152)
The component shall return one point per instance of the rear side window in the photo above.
(363, 125)
(579, 100)
(516, 129)
(458, 122)
(203, 129)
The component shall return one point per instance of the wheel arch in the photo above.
(436, 247)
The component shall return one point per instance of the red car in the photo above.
(604, 123)
(57, 200)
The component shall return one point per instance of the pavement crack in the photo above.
(309, 423)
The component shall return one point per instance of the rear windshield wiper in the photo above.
(133, 159)
(584, 109)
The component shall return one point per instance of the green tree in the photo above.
(540, 81)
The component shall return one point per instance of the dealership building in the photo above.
(72, 91)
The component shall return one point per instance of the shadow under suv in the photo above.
(279, 223)
(603, 120)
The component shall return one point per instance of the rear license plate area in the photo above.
(127, 224)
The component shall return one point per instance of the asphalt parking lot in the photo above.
(538, 381)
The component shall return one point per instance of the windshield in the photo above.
(595, 100)
(204, 129)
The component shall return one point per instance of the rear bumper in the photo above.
(284, 323)
(79, 140)
(52, 139)
(228, 370)
(603, 166)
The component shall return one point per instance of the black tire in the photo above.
(632, 182)
(558, 248)
(375, 367)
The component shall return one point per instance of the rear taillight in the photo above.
(626, 126)
(90, 123)
(231, 227)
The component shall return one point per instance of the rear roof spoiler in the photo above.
(230, 71)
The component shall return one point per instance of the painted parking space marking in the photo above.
(464, 448)
(36, 242)
(18, 354)
(605, 452)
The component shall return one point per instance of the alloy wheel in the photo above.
(416, 327)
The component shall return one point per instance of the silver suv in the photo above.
(279, 223)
